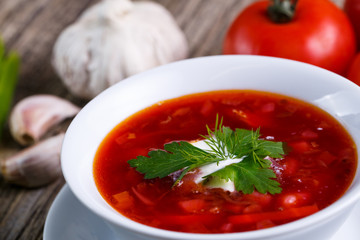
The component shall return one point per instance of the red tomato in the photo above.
(320, 33)
(354, 70)
(352, 9)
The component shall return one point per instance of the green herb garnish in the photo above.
(252, 172)
(9, 66)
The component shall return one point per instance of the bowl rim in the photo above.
(335, 208)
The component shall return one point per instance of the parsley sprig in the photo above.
(252, 172)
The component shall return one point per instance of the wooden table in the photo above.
(31, 28)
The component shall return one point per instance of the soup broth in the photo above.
(317, 169)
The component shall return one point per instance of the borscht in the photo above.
(225, 161)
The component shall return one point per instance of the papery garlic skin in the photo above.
(34, 166)
(33, 116)
(115, 39)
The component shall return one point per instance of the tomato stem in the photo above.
(282, 11)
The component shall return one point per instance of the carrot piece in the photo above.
(124, 138)
(287, 214)
(193, 205)
(123, 200)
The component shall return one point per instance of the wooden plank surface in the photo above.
(31, 27)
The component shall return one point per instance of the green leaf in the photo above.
(252, 172)
(226, 143)
(271, 149)
(247, 176)
(177, 155)
(9, 68)
(245, 141)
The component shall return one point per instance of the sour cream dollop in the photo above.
(214, 182)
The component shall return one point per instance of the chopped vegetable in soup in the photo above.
(225, 161)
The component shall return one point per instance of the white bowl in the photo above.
(336, 95)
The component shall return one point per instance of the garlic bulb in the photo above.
(33, 116)
(115, 39)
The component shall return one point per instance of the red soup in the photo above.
(317, 168)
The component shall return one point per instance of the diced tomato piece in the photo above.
(195, 228)
(321, 180)
(308, 135)
(133, 176)
(300, 146)
(252, 119)
(268, 107)
(253, 208)
(346, 153)
(259, 198)
(309, 182)
(123, 200)
(232, 101)
(287, 214)
(188, 185)
(296, 199)
(193, 205)
(215, 210)
(234, 208)
(207, 108)
(166, 121)
(181, 112)
(291, 166)
(326, 157)
(142, 198)
(189, 219)
(227, 227)
(265, 224)
(139, 152)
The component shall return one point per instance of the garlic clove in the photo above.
(113, 40)
(34, 166)
(33, 116)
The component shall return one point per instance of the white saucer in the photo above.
(69, 219)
